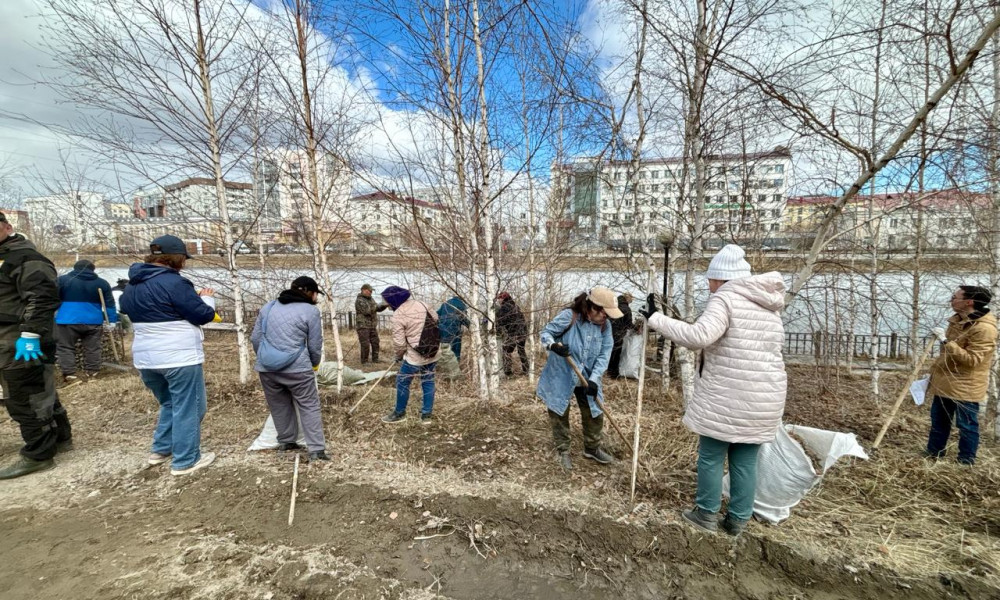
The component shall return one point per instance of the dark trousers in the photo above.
(284, 393)
(593, 428)
(368, 338)
(616, 358)
(90, 338)
(508, 359)
(31, 399)
(965, 415)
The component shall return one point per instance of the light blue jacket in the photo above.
(590, 349)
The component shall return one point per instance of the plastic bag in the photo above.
(268, 438)
(447, 364)
(628, 366)
(785, 474)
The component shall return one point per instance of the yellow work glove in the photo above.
(315, 367)
(216, 318)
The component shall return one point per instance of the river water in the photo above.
(829, 302)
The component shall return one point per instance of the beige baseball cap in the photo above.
(605, 298)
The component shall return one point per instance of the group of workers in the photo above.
(739, 381)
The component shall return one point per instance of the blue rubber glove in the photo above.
(28, 347)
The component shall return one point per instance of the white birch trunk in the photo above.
(235, 280)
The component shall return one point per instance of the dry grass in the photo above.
(899, 510)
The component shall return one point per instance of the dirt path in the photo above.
(472, 507)
(224, 534)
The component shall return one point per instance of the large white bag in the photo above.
(628, 366)
(785, 474)
(268, 438)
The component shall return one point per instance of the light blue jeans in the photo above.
(183, 402)
(712, 454)
(406, 374)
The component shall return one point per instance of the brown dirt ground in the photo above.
(474, 506)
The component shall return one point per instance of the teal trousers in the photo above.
(712, 455)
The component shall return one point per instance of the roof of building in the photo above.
(777, 152)
(394, 197)
(942, 199)
(232, 185)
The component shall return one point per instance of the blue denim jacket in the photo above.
(590, 348)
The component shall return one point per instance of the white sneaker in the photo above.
(206, 459)
(155, 458)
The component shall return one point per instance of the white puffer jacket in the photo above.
(740, 382)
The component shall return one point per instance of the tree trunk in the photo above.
(317, 199)
(236, 281)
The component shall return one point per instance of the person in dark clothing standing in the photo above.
(452, 317)
(366, 315)
(29, 298)
(514, 331)
(81, 318)
(619, 327)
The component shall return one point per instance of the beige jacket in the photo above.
(407, 323)
(962, 372)
(740, 382)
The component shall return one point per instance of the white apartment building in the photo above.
(66, 221)
(283, 183)
(195, 198)
(390, 219)
(746, 196)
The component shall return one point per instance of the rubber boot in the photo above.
(25, 466)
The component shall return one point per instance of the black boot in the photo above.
(25, 466)
(288, 446)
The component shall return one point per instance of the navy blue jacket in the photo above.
(158, 294)
(451, 318)
(81, 304)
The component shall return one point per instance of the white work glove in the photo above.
(110, 326)
(939, 334)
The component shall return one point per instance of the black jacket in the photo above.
(619, 327)
(29, 296)
(510, 320)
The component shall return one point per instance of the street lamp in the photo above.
(666, 238)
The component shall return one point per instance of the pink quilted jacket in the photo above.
(740, 382)
(407, 322)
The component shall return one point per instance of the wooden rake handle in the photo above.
(583, 382)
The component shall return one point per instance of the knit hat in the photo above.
(368, 287)
(395, 296)
(729, 264)
(82, 264)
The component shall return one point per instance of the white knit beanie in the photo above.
(729, 264)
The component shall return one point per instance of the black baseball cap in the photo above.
(307, 284)
(168, 244)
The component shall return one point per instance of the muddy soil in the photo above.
(470, 507)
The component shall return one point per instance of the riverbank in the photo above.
(784, 262)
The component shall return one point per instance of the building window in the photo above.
(774, 226)
(656, 187)
(779, 168)
(775, 212)
(656, 174)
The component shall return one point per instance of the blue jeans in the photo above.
(965, 415)
(712, 454)
(406, 374)
(181, 394)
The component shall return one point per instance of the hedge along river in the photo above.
(828, 302)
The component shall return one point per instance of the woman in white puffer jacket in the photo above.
(740, 382)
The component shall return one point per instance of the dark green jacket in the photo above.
(366, 312)
(29, 296)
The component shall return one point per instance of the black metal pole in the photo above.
(666, 275)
